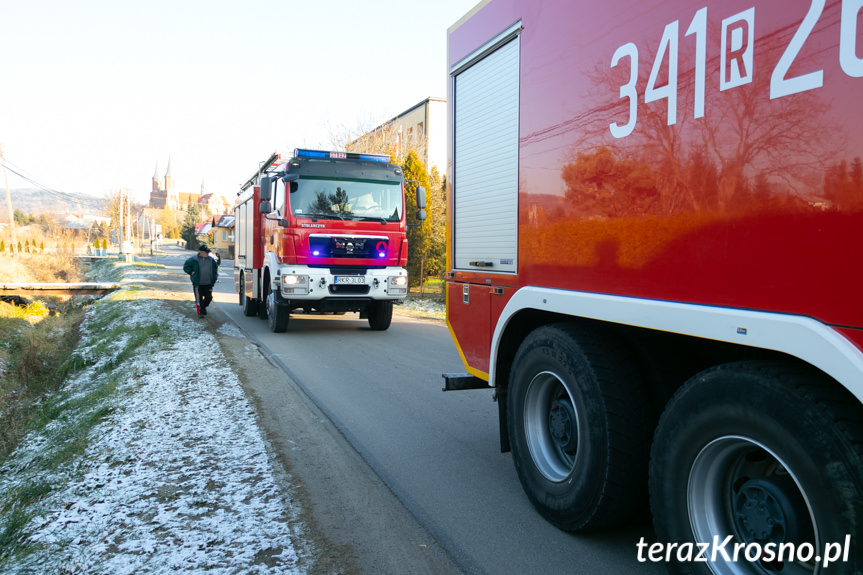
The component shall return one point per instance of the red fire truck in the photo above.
(656, 261)
(322, 231)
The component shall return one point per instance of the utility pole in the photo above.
(120, 235)
(9, 206)
(128, 216)
(130, 255)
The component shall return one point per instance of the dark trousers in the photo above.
(203, 295)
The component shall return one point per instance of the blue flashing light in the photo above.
(380, 158)
(310, 154)
(382, 254)
(316, 253)
(374, 158)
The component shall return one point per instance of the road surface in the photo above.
(437, 453)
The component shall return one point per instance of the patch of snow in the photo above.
(426, 307)
(176, 479)
(230, 329)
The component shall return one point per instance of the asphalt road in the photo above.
(437, 452)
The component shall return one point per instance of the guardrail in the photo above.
(80, 288)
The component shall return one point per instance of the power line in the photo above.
(42, 187)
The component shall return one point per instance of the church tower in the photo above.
(163, 194)
(157, 192)
(172, 199)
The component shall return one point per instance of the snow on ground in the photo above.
(426, 307)
(176, 479)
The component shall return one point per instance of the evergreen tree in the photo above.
(187, 232)
(435, 264)
(418, 243)
(20, 218)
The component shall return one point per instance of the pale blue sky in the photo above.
(96, 92)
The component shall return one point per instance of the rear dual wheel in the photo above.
(768, 454)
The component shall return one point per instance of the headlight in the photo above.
(398, 285)
(295, 284)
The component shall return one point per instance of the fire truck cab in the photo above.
(325, 232)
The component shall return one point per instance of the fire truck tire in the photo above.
(579, 424)
(250, 306)
(277, 313)
(380, 315)
(262, 304)
(764, 452)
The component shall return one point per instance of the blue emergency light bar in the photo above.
(298, 153)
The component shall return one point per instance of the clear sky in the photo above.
(96, 93)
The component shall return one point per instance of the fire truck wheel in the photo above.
(277, 314)
(579, 426)
(262, 305)
(250, 306)
(763, 455)
(380, 315)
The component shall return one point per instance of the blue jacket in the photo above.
(192, 268)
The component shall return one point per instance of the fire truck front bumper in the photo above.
(300, 283)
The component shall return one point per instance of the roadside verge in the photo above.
(201, 455)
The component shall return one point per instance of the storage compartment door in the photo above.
(485, 162)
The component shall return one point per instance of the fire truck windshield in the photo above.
(322, 198)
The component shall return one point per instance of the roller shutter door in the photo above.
(485, 162)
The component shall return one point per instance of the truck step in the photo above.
(459, 381)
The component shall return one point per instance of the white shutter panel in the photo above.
(485, 162)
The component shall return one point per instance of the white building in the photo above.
(421, 127)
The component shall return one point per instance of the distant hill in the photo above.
(36, 202)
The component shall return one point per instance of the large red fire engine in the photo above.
(656, 261)
(322, 231)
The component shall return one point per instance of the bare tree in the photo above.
(367, 136)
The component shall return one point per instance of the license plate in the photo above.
(351, 280)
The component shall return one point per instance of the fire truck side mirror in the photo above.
(421, 203)
(265, 208)
(266, 189)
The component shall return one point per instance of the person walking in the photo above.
(204, 272)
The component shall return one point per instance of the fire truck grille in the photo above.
(349, 289)
(347, 247)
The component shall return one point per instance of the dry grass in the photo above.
(34, 363)
(40, 268)
(34, 343)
